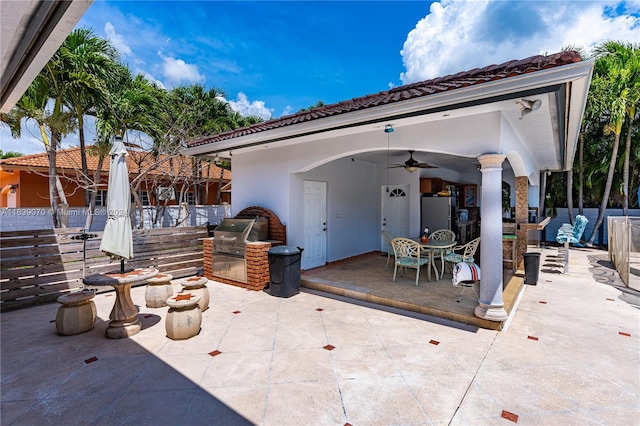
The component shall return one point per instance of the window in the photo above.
(191, 199)
(398, 193)
(101, 198)
(143, 196)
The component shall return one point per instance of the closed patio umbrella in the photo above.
(117, 240)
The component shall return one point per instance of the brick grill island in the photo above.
(257, 265)
(256, 252)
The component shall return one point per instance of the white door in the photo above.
(395, 211)
(315, 224)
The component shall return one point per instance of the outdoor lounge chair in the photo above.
(568, 234)
(407, 254)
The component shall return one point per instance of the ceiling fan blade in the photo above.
(426, 166)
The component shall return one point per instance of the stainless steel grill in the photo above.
(230, 244)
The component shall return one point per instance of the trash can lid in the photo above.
(283, 250)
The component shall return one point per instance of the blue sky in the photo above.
(287, 54)
(272, 58)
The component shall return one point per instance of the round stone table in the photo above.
(124, 315)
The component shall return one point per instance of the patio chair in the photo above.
(442, 235)
(466, 275)
(388, 236)
(571, 234)
(407, 255)
(462, 253)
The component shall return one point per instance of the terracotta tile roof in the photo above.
(137, 161)
(410, 91)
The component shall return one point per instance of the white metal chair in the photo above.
(462, 253)
(441, 235)
(407, 255)
(388, 236)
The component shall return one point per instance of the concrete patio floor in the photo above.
(568, 355)
(365, 278)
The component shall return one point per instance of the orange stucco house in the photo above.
(24, 181)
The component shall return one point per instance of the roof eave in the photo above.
(548, 78)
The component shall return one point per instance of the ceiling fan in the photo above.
(412, 165)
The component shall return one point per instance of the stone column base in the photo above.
(491, 313)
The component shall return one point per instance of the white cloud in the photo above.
(177, 71)
(151, 78)
(287, 110)
(117, 40)
(246, 108)
(459, 35)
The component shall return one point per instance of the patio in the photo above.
(569, 355)
(365, 278)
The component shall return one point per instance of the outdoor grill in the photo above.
(230, 239)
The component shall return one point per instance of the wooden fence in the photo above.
(38, 266)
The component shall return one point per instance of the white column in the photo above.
(490, 304)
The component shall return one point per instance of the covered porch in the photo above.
(332, 175)
(364, 278)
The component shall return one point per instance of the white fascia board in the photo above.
(525, 82)
(579, 95)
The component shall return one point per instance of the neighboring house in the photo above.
(24, 181)
(325, 172)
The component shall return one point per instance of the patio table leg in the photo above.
(433, 264)
(124, 315)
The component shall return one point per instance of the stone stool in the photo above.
(184, 317)
(77, 313)
(197, 285)
(158, 290)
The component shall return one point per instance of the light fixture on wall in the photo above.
(526, 106)
(13, 188)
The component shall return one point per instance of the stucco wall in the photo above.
(273, 176)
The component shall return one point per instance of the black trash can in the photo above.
(284, 270)
(531, 268)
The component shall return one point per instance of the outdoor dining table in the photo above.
(432, 247)
(124, 315)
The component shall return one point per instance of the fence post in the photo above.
(64, 212)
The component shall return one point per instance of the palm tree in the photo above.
(612, 85)
(133, 104)
(88, 61)
(627, 56)
(34, 105)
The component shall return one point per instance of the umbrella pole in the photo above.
(122, 265)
